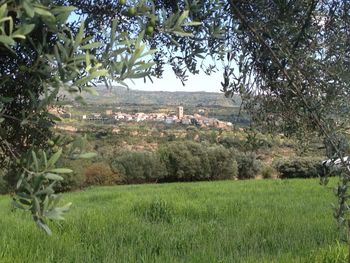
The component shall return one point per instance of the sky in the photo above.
(169, 82)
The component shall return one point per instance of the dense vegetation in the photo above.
(226, 221)
(159, 153)
(300, 167)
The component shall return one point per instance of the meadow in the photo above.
(223, 221)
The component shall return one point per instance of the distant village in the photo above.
(174, 118)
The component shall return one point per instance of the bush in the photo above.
(139, 167)
(176, 161)
(256, 141)
(100, 174)
(222, 163)
(191, 161)
(185, 161)
(267, 172)
(71, 181)
(231, 142)
(248, 166)
(299, 167)
(74, 180)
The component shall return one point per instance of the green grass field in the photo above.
(227, 221)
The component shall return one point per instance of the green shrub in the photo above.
(299, 167)
(191, 161)
(248, 166)
(267, 172)
(138, 167)
(259, 141)
(71, 181)
(191, 133)
(209, 136)
(185, 161)
(74, 180)
(100, 174)
(222, 163)
(231, 142)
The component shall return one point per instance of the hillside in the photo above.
(120, 95)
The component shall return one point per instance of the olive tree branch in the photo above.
(295, 88)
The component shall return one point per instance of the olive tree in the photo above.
(291, 66)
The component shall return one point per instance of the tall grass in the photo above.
(226, 221)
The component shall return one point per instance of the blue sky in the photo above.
(199, 82)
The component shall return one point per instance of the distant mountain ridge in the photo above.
(121, 95)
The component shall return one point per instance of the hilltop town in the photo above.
(178, 117)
